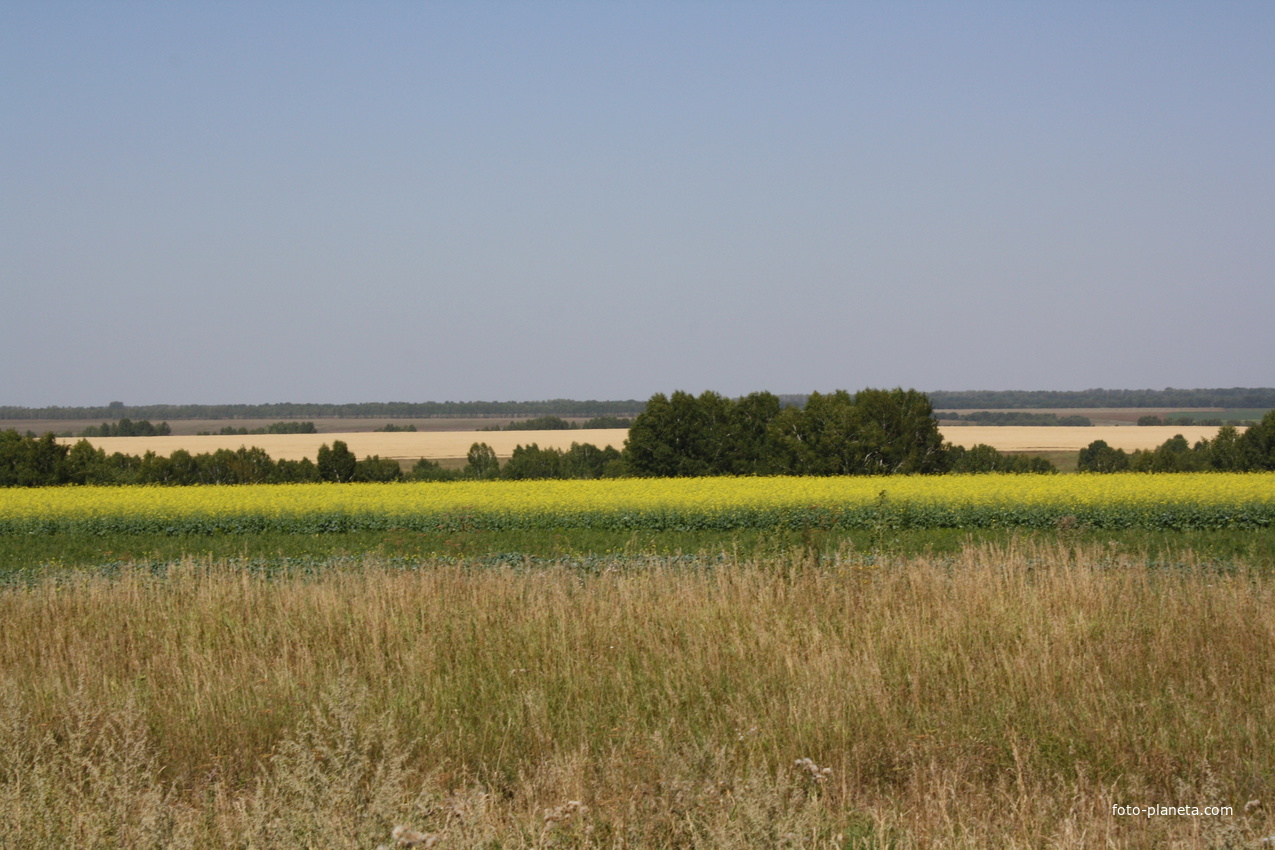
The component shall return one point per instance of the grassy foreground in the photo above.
(1007, 695)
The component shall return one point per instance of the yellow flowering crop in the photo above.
(1201, 500)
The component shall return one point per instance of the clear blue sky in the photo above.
(370, 201)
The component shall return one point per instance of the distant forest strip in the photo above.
(1263, 397)
(1018, 418)
(1235, 397)
(363, 410)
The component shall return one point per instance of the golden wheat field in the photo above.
(441, 445)
(435, 445)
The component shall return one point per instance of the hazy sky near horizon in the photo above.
(206, 202)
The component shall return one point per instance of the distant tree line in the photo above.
(981, 399)
(27, 461)
(272, 428)
(557, 423)
(1014, 417)
(1228, 451)
(365, 410)
(1184, 421)
(1235, 397)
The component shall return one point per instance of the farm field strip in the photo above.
(1132, 500)
(434, 445)
(438, 445)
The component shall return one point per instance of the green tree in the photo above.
(85, 464)
(375, 468)
(432, 470)
(673, 438)
(531, 462)
(897, 433)
(337, 463)
(585, 460)
(1098, 456)
(1258, 444)
(482, 462)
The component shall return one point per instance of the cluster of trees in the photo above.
(27, 461)
(272, 428)
(985, 458)
(582, 460)
(873, 432)
(1014, 417)
(391, 428)
(1229, 451)
(557, 423)
(128, 428)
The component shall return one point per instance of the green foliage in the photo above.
(31, 461)
(128, 428)
(392, 428)
(481, 462)
(874, 432)
(431, 470)
(373, 468)
(582, 460)
(540, 423)
(272, 428)
(1228, 451)
(985, 458)
(1098, 456)
(530, 462)
(337, 463)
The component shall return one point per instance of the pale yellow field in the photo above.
(439, 445)
(435, 445)
(1011, 438)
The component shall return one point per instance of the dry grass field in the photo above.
(444, 445)
(1010, 696)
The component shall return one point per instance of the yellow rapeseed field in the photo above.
(1120, 500)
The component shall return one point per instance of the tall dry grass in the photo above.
(1007, 697)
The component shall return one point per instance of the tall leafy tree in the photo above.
(896, 432)
(481, 462)
(337, 463)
